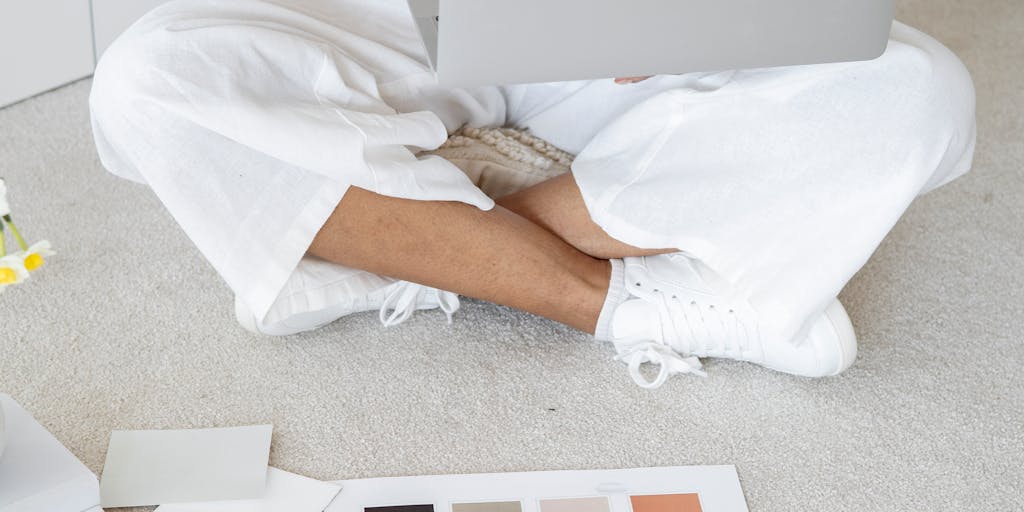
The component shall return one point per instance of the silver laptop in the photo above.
(489, 42)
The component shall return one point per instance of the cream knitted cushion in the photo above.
(502, 160)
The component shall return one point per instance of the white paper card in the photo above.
(286, 492)
(153, 467)
(37, 473)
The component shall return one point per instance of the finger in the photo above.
(631, 79)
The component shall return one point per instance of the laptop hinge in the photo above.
(427, 16)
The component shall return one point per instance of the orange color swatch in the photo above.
(666, 503)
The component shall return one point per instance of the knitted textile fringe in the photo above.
(503, 160)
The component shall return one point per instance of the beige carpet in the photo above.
(129, 328)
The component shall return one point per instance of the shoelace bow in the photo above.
(401, 302)
(689, 329)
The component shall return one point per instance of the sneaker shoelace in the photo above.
(689, 329)
(404, 298)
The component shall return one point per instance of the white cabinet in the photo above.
(111, 17)
(43, 44)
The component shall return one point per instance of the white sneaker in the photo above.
(396, 302)
(679, 311)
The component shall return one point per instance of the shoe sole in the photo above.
(248, 321)
(840, 320)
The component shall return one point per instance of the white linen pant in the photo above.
(250, 120)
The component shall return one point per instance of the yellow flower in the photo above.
(12, 271)
(34, 257)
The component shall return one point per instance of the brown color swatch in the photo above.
(402, 508)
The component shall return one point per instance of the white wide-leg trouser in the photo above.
(250, 119)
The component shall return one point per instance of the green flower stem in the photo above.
(3, 243)
(17, 235)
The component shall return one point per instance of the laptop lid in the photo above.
(487, 42)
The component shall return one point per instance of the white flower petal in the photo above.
(5, 209)
(42, 248)
(15, 262)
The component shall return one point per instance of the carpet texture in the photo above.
(129, 328)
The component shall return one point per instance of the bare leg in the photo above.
(496, 256)
(557, 205)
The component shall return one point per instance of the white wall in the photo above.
(43, 44)
(111, 17)
(48, 43)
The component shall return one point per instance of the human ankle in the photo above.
(615, 295)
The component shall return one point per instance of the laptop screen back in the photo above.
(483, 42)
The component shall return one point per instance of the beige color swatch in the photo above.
(598, 504)
(498, 506)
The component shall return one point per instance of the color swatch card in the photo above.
(673, 489)
(285, 492)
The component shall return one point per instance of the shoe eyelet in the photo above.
(638, 285)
